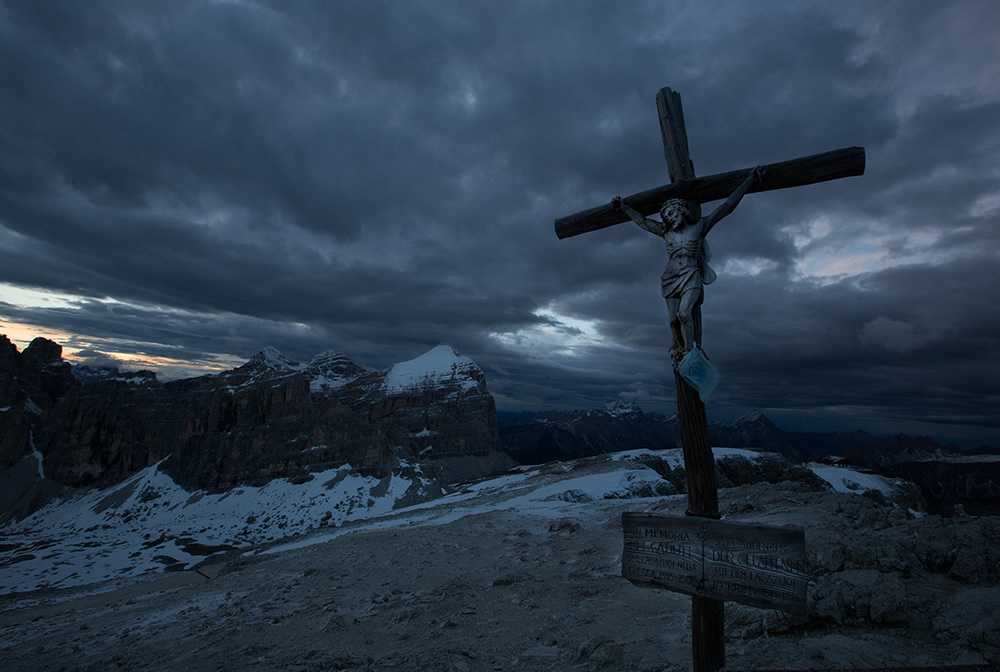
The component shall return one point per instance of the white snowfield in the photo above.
(438, 364)
(148, 524)
(843, 479)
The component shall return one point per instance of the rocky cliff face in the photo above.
(273, 417)
(106, 429)
(945, 474)
(31, 384)
(270, 418)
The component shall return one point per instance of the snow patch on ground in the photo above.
(149, 523)
(526, 494)
(843, 479)
(675, 456)
(636, 454)
(736, 452)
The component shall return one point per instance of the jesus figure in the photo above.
(687, 272)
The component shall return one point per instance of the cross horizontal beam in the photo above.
(846, 162)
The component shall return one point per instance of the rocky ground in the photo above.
(492, 580)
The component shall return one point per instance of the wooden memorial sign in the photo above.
(758, 565)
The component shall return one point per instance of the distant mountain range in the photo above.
(945, 474)
(270, 418)
(533, 438)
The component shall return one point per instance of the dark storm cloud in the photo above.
(204, 178)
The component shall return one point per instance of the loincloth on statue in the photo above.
(673, 285)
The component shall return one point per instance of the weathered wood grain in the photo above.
(674, 134)
(833, 165)
(699, 461)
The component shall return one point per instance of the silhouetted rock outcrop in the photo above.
(31, 384)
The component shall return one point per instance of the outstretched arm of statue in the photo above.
(646, 223)
(753, 179)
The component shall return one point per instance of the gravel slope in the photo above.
(526, 577)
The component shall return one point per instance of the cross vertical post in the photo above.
(674, 134)
(707, 615)
(708, 643)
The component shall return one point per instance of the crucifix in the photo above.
(684, 230)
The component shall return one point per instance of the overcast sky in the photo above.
(185, 183)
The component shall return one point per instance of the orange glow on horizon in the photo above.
(22, 335)
(167, 368)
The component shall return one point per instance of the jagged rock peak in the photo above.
(432, 367)
(330, 358)
(272, 358)
(89, 374)
(620, 408)
(6, 345)
(331, 370)
(751, 418)
(86, 373)
(43, 351)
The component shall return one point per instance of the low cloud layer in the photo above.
(192, 181)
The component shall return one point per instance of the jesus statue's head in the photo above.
(678, 212)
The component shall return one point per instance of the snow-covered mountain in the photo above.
(326, 372)
(270, 418)
(442, 365)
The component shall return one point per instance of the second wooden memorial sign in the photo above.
(752, 564)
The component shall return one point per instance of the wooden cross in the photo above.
(707, 615)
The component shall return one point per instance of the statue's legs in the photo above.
(673, 309)
(688, 310)
(696, 314)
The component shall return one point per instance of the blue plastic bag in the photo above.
(699, 374)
